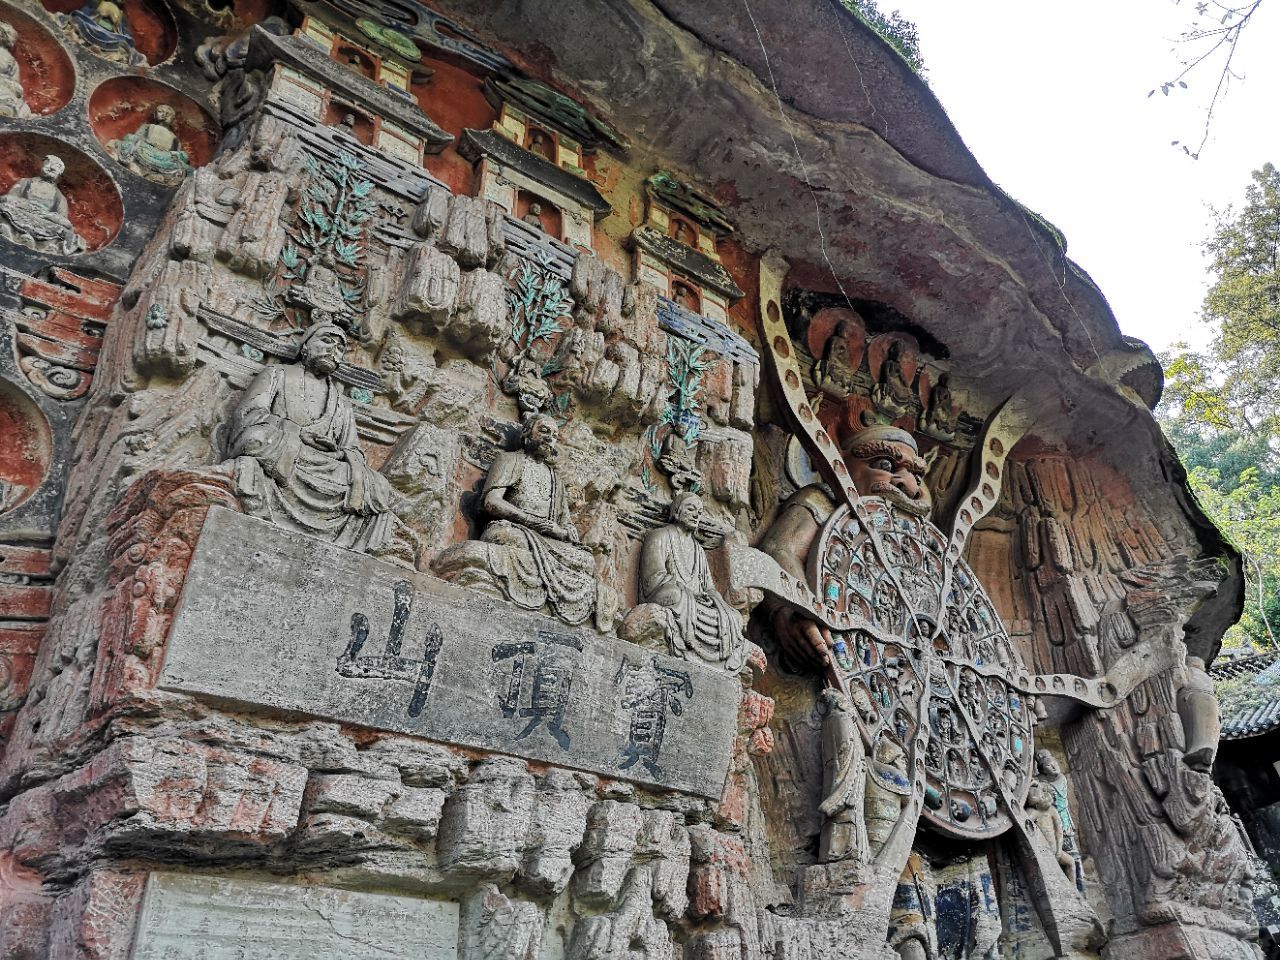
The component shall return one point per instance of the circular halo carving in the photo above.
(931, 672)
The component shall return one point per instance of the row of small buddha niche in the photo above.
(894, 394)
(35, 212)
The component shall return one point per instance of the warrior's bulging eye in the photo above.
(882, 463)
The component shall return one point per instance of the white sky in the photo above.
(1051, 97)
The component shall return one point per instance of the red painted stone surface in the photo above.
(153, 533)
(96, 210)
(27, 447)
(454, 99)
(120, 105)
(96, 919)
(44, 69)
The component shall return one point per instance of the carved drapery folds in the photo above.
(678, 598)
(34, 212)
(327, 333)
(295, 458)
(530, 551)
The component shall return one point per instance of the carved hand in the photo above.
(318, 441)
(804, 639)
(548, 528)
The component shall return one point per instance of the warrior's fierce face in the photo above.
(890, 469)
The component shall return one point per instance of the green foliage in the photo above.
(538, 301)
(686, 363)
(1234, 472)
(1244, 300)
(1242, 694)
(899, 32)
(1221, 407)
(1247, 510)
(336, 205)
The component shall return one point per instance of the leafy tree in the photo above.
(1249, 514)
(899, 32)
(1211, 40)
(1221, 408)
(1244, 300)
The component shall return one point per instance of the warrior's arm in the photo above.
(788, 541)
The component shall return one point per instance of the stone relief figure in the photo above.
(321, 292)
(844, 779)
(893, 396)
(836, 369)
(675, 583)
(102, 26)
(677, 459)
(406, 372)
(1198, 710)
(939, 420)
(525, 382)
(1051, 777)
(35, 212)
(530, 550)
(1041, 810)
(911, 933)
(12, 102)
(153, 150)
(883, 461)
(533, 216)
(296, 458)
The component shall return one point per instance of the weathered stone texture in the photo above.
(478, 686)
(231, 917)
(190, 690)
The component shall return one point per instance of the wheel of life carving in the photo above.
(936, 669)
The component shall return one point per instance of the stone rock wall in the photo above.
(335, 358)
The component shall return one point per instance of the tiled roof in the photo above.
(1261, 716)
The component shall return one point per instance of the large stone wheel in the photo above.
(936, 668)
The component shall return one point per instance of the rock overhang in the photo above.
(820, 141)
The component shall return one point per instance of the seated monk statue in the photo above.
(296, 458)
(103, 26)
(939, 420)
(153, 150)
(530, 549)
(12, 103)
(893, 395)
(676, 578)
(34, 212)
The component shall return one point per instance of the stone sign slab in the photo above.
(195, 917)
(282, 620)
